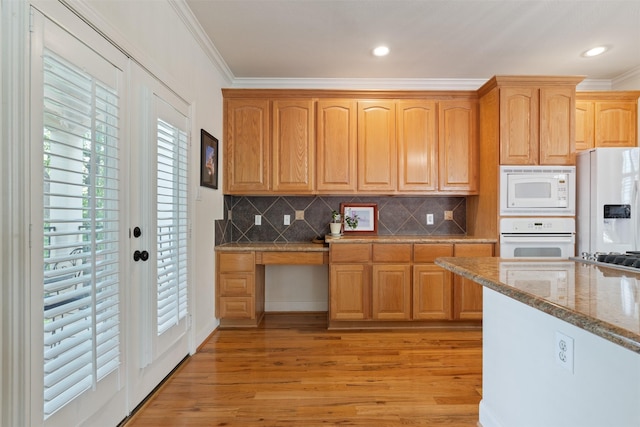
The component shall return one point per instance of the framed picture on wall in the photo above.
(360, 217)
(208, 160)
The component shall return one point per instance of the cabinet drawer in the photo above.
(391, 252)
(234, 261)
(236, 308)
(430, 251)
(236, 284)
(473, 250)
(349, 253)
(291, 258)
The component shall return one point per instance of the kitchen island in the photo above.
(561, 342)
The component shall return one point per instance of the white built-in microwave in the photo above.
(538, 190)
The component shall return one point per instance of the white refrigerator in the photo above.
(607, 200)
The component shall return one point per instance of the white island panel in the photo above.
(523, 385)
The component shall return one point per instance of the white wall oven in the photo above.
(537, 190)
(551, 238)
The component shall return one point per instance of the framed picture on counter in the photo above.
(360, 217)
(208, 160)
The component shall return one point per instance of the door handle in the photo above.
(137, 256)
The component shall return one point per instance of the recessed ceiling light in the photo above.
(381, 51)
(595, 51)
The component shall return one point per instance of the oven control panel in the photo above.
(537, 225)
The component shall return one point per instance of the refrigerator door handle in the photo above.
(634, 216)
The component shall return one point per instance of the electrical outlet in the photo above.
(448, 215)
(258, 220)
(564, 351)
(287, 220)
(300, 215)
(429, 219)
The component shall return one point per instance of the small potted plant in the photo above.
(352, 221)
(336, 223)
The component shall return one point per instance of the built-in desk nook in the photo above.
(240, 290)
(373, 281)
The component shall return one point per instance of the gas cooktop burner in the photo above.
(629, 260)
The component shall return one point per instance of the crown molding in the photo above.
(594, 84)
(198, 33)
(362, 84)
(632, 76)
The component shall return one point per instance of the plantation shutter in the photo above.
(81, 229)
(172, 225)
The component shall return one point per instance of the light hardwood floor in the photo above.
(292, 371)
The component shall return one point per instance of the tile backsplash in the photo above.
(396, 216)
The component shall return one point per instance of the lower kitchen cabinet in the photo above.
(467, 295)
(376, 283)
(432, 285)
(431, 293)
(349, 296)
(391, 281)
(350, 282)
(240, 289)
(391, 292)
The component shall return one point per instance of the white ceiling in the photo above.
(429, 39)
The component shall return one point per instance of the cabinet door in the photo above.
(336, 146)
(377, 146)
(417, 146)
(557, 126)
(391, 291)
(519, 126)
(458, 146)
(584, 125)
(432, 293)
(293, 146)
(246, 149)
(349, 292)
(615, 123)
(467, 295)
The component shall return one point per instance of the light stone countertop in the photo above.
(363, 238)
(321, 246)
(600, 300)
(274, 247)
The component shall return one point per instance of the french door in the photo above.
(160, 231)
(109, 221)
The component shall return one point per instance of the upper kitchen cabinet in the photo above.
(557, 126)
(536, 119)
(518, 125)
(606, 119)
(458, 146)
(303, 142)
(417, 145)
(436, 147)
(293, 146)
(246, 146)
(377, 161)
(336, 146)
(269, 146)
